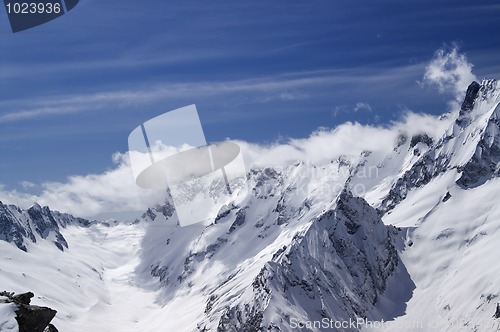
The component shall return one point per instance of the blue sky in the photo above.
(72, 90)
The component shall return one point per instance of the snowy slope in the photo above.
(453, 261)
(8, 316)
(336, 269)
(113, 277)
(214, 273)
(452, 196)
(470, 146)
(91, 284)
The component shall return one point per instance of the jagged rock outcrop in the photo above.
(18, 225)
(51, 328)
(485, 163)
(471, 146)
(339, 266)
(13, 228)
(421, 138)
(30, 318)
(165, 210)
(470, 98)
(295, 237)
(420, 174)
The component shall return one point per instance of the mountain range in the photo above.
(403, 241)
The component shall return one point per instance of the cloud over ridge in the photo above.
(114, 191)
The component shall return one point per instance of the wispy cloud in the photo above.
(284, 87)
(136, 59)
(37, 112)
(359, 106)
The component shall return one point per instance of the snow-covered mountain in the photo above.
(397, 242)
(470, 146)
(36, 223)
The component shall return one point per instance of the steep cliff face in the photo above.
(338, 266)
(470, 147)
(18, 225)
(296, 236)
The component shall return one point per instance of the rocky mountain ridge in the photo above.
(471, 146)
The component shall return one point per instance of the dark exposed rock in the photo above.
(248, 317)
(51, 328)
(475, 92)
(12, 229)
(356, 249)
(239, 220)
(482, 166)
(161, 272)
(167, 209)
(470, 97)
(485, 162)
(149, 214)
(221, 215)
(401, 140)
(17, 225)
(421, 138)
(224, 212)
(497, 312)
(420, 174)
(31, 318)
(210, 303)
(24, 298)
(352, 223)
(446, 197)
(267, 182)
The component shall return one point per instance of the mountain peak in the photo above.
(36, 223)
(36, 206)
(476, 93)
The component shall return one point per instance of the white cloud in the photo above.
(450, 72)
(115, 192)
(348, 139)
